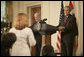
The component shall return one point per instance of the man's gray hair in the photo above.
(68, 7)
(39, 14)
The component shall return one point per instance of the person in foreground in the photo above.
(48, 50)
(25, 37)
(7, 41)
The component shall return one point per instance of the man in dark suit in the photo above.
(37, 35)
(69, 30)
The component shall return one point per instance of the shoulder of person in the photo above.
(28, 29)
(72, 17)
(12, 29)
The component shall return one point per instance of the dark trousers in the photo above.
(38, 39)
(67, 50)
(38, 49)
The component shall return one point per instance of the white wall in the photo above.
(51, 11)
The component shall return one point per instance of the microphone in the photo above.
(44, 19)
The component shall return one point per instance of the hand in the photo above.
(61, 27)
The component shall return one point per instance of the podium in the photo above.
(46, 31)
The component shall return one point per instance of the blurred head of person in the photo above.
(48, 50)
(67, 10)
(37, 16)
(7, 40)
(21, 21)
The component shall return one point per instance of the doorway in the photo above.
(31, 11)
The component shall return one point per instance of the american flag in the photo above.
(59, 32)
(62, 11)
(72, 8)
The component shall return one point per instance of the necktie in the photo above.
(65, 20)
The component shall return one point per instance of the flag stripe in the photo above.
(71, 5)
(58, 47)
(58, 38)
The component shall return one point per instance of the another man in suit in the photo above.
(69, 30)
(37, 35)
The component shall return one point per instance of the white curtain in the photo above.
(78, 8)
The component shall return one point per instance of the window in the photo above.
(3, 7)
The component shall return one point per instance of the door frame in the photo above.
(29, 12)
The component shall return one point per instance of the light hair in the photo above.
(21, 21)
(68, 7)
